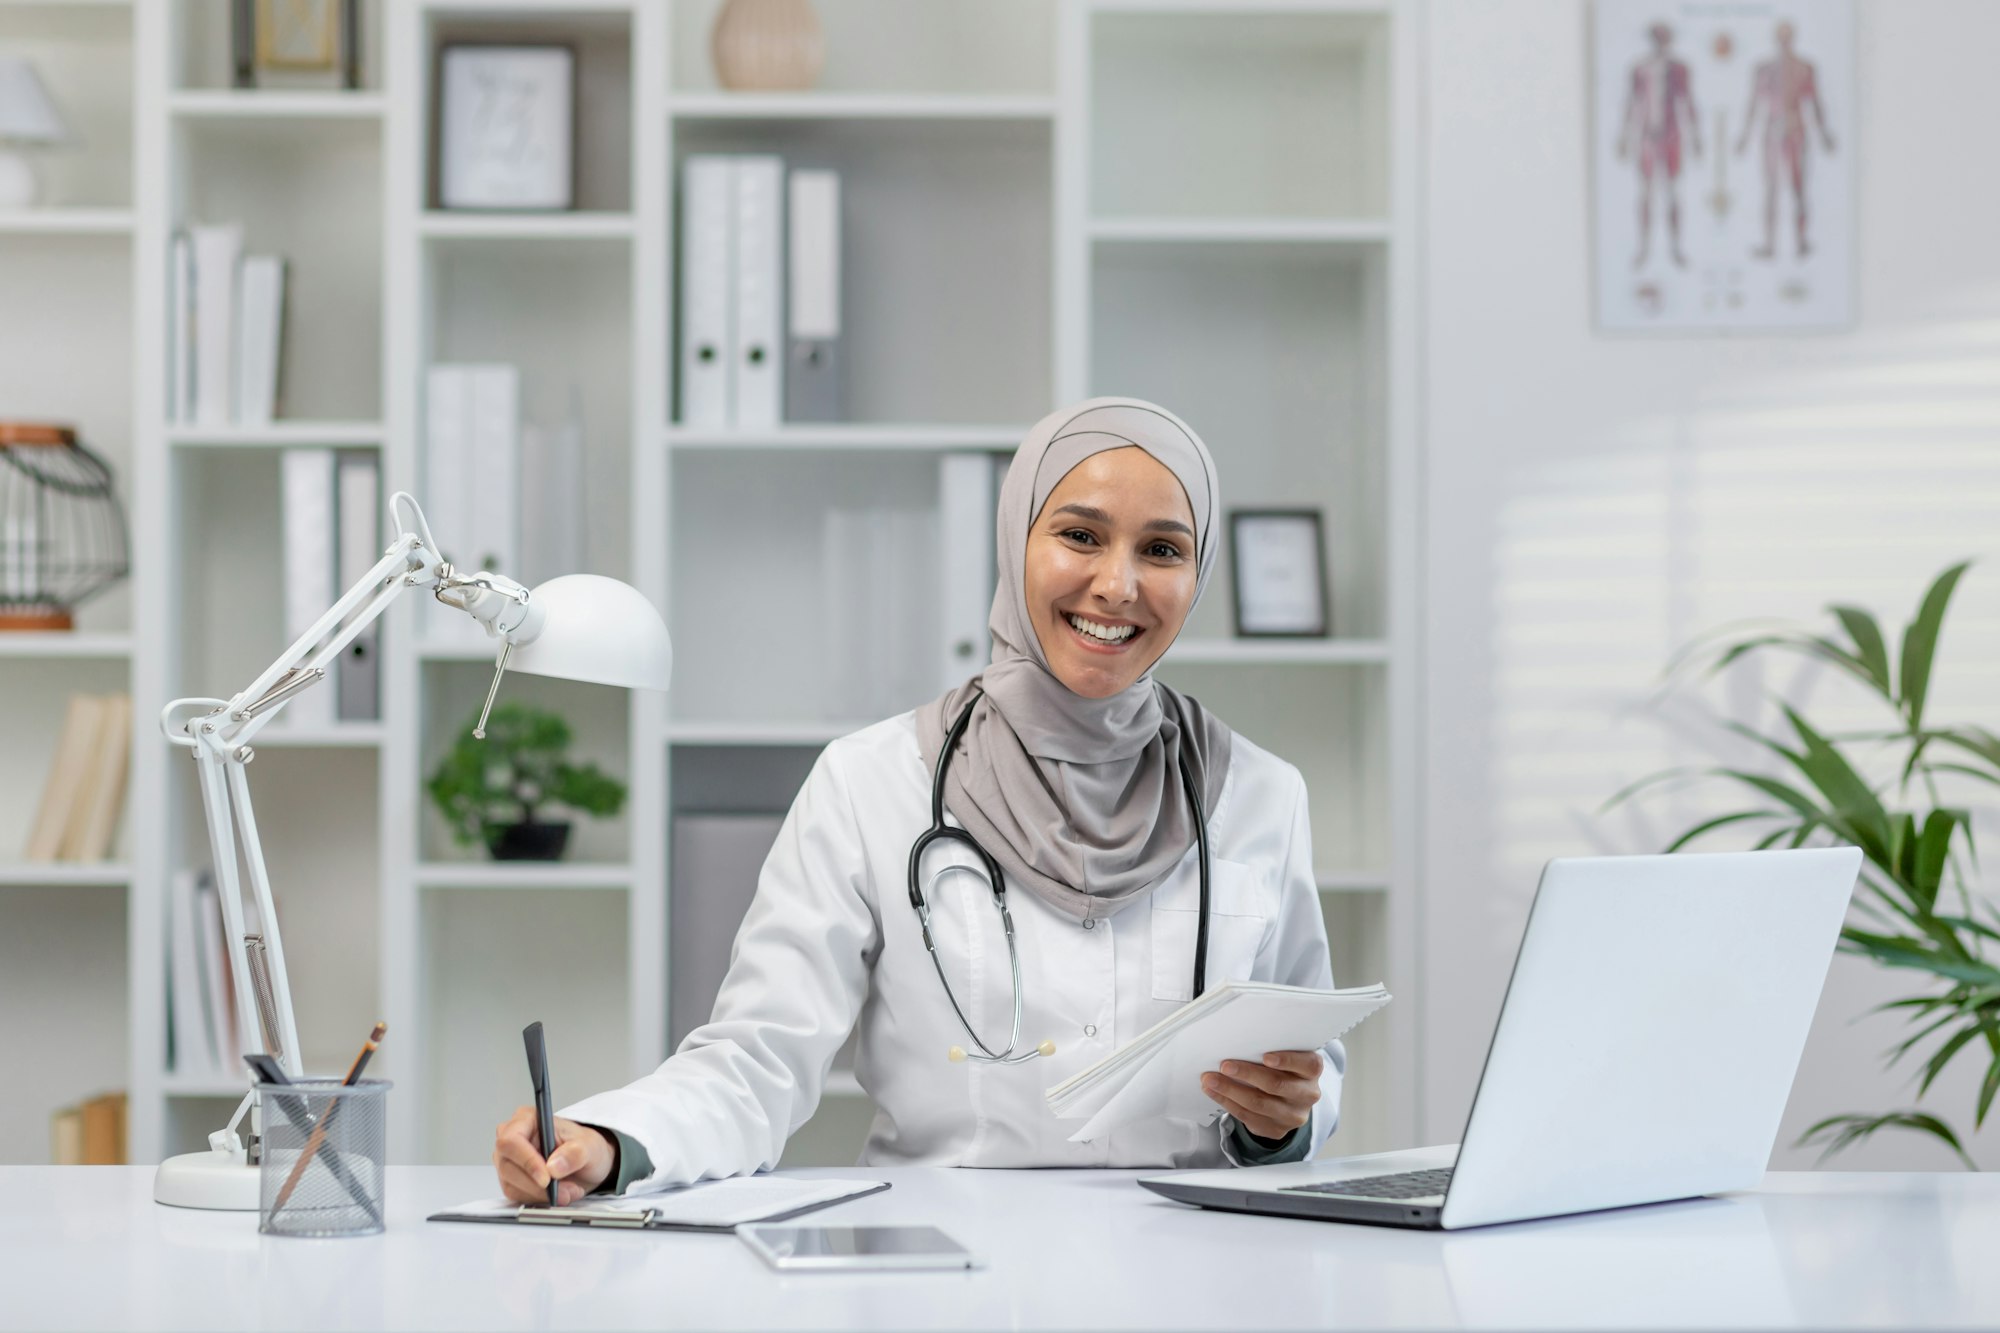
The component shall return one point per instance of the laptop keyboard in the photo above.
(1402, 1185)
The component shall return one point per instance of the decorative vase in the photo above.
(767, 45)
(527, 842)
(62, 530)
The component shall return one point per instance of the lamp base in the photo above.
(215, 1180)
(20, 187)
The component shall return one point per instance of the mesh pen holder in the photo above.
(341, 1133)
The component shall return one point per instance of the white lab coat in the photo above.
(830, 940)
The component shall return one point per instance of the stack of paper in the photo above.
(1158, 1074)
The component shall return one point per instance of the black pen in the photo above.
(545, 1116)
(270, 1071)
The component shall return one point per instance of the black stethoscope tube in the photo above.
(940, 831)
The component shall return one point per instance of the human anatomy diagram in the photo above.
(1781, 90)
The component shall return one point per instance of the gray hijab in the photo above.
(1080, 800)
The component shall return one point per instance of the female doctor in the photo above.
(1085, 781)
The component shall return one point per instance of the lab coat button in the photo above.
(1090, 1029)
(1089, 924)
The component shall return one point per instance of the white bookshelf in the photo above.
(1069, 169)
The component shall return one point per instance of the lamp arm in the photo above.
(219, 741)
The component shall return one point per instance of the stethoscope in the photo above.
(940, 831)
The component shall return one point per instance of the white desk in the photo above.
(85, 1247)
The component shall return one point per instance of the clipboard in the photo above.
(669, 1211)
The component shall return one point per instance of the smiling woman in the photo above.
(1117, 849)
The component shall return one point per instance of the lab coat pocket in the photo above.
(1238, 918)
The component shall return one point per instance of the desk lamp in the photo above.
(28, 118)
(578, 626)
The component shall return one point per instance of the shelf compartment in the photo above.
(1283, 347)
(84, 54)
(938, 218)
(284, 434)
(1330, 722)
(602, 42)
(64, 988)
(768, 516)
(37, 696)
(849, 436)
(1286, 112)
(316, 201)
(598, 717)
(204, 65)
(884, 48)
(64, 644)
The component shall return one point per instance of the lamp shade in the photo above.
(599, 630)
(26, 113)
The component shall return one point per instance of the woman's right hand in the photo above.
(582, 1161)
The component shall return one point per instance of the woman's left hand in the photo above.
(1272, 1099)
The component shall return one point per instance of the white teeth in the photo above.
(1108, 633)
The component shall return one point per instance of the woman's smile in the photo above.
(1102, 636)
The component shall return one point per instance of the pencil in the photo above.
(318, 1136)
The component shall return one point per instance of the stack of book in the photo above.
(225, 319)
(332, 504)
(91, 1133)
(85, 790)
(760, 295)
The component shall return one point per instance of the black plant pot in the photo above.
(527, 842)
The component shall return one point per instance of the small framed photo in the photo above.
(1277, 558)
(298, 34)
(506, 126)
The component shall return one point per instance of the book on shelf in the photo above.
(202, 1022)
(307, 480)
(91, 1133)
(812, 271)
(225, 329)
(84, 793)
(472, 475)
(358, 511)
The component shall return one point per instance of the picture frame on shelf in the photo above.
(296, 43)
(1277, 562)
(506, 122)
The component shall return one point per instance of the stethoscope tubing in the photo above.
(939, 831)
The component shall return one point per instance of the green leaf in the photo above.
(1719, 822)
(1869, 648)
(1844, 1130)
(1650, 780)
(1828, 770)
(1943, 1056)
(1920, 643)
(1928, 856)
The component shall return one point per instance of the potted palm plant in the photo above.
(1914, 908)
(490, 791)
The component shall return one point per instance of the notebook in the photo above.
(1158, 1073)
(714, 1205)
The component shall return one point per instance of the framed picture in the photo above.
(295, 43)
(1277, 559)
(298, 34)
(506, 126)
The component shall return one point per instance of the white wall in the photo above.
(1593, 502)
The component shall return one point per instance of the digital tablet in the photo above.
(830, 1249)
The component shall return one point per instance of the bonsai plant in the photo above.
(490, 790)
(1914, 908)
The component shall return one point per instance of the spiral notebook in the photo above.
(714, 1205)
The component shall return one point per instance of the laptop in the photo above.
(1644, 1051)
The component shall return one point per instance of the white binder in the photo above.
(217, 251)
(445, 497)
(308, 481)
(359, 489)
(759, 369)
(707, 277)
(495, 419)
(966, 493)
(813, 369)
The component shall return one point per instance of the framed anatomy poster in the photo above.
(1722, 158)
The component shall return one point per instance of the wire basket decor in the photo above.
(62, 532)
